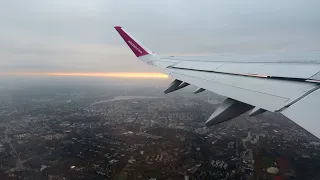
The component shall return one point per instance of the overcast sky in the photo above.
(78, 35)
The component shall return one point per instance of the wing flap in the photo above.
(269, 94)
(306, 112)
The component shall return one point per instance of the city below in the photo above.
(90, 132)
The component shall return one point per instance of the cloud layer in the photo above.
(78, 35)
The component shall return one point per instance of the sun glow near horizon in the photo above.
(148, 75)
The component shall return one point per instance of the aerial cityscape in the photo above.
(86, 131)
(125, 90)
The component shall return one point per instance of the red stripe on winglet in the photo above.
(134, 46)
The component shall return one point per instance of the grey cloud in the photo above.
(78, 35)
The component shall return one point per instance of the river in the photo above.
(118, 98)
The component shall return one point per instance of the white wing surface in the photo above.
(288, 84)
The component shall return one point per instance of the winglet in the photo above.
(137, 48)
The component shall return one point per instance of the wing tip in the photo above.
(137, 48)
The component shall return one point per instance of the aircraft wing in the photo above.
(251, 84)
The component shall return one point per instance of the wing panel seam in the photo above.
(220, 66)
(233, 86)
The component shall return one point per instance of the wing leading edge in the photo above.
(291, 88)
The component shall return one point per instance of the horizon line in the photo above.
(148, 75)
